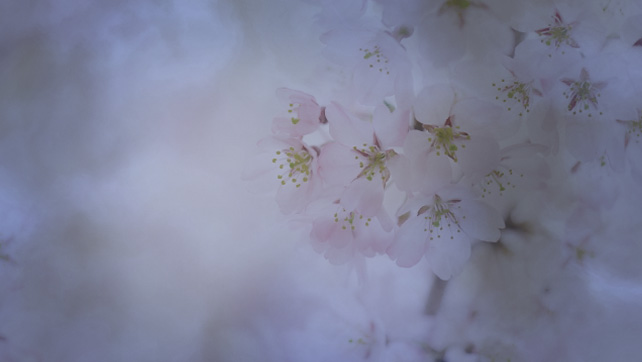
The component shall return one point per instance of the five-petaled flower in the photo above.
(441, 227)
(558, 33)
(582, 92)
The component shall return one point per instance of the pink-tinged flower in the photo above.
(446, 139)
(289, 165)
(357, 160)
(582, 92)
(374, 60)
(517, 91)
(360, 176)
(457, 130)
(343, 235)
(558, 32)
(506, 90)
(304, 114)
(418, 168)
(521, 170)
(564, 30)
(441, 228)
(433, 109)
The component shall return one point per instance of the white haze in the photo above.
(125, 127)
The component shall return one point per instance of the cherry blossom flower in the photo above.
(583, 92)
(289, 165)
(375, 61)
(565, 29)
(517, 90)
(441, 228)
(521, 170)
(558, 32)
(502, 93)
(457, 129)
(418, 168)
(304, 114)
(344, 235)
(595, 105)
(357, 159)
(433, 109)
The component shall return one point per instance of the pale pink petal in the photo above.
(480, 221)
(433, 104)
(446, 256)
(410, 243)
(364, 196)
(346, 128)
(337, 164)
(418, 169)
(303, 114)
(295, 199)
(479, 157)
(391, 128)
(582, 140)
(328, 231)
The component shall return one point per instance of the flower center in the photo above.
(373, 161)
(375, 59)
(292, 109)
(440, 215)
(584, 94)
(295, 165)
(443, 139)
(499, 180)
(516, 91)
(348, 220)
(557, 33)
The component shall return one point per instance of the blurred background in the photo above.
(126, 231)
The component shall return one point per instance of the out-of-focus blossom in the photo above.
(304, 115)
(357, 160)
(290, 165)
(442, 227)
(347, 236)
(376, 64)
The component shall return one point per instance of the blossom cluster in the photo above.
(447, 116)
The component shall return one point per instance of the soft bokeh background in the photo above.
(125, 127)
